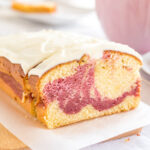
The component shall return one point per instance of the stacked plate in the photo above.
(146, 67)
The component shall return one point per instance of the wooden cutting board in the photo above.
(9, 142)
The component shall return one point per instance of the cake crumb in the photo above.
(26, 116)
(138, 134)
(127, 140)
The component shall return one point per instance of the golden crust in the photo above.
(5, 87)
(27, 105)
(121, 53)
(15, 70)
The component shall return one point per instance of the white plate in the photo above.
(63, 15)
(146, 61)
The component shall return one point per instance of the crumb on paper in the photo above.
(127, 140)
(35, 119)
(138, 134)
(26, 116)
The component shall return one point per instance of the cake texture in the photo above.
(69, 78)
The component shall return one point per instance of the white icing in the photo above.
(22, 49)
(29, 49)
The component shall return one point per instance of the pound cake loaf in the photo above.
(63, 78)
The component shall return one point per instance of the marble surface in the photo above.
(10, 23)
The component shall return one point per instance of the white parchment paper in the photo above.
(75, 136)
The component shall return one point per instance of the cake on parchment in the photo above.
(63, 78)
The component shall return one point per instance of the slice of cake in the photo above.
(66, 78)
(33, 6)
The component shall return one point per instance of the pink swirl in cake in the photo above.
(76, 91)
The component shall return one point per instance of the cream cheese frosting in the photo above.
(29, 49)
(46, 49)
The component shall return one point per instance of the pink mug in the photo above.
(126, 21)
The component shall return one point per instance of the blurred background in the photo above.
(75, 15)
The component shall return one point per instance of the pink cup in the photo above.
(126, 21)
